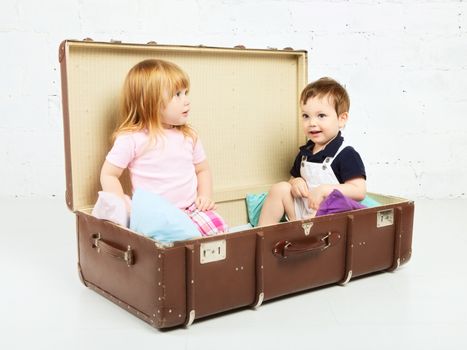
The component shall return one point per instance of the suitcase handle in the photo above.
(104, 247)
(315, 244)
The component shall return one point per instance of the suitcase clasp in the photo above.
(307, 227)
(385, 218)
(212, 251)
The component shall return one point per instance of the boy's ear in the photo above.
(343, 119)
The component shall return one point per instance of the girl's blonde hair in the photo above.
(148, 88)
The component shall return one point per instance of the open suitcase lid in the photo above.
(244, 105)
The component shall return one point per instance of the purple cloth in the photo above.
(336, 202)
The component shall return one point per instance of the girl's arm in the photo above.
(203, 174)
(353, 188)
(110, 182)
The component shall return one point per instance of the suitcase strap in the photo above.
(349, 252)
(259, 270)
(398, 232)
(190, 283)
(315, 244)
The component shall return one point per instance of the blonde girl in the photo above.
(163, 153)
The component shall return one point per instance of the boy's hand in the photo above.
(205, 203)
(299, 187)
(316, 196)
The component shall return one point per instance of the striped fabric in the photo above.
(209, 223)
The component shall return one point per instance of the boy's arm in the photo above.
(354, 188)
(203, 199)
(299, 187)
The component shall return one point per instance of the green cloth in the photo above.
(254, 204)
(369, 202)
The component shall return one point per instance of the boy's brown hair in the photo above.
(332, 89)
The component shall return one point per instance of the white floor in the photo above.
(420, 306)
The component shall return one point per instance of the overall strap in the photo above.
(344, 145)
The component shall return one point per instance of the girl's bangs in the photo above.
(178, 80)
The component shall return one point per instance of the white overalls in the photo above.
(315, 174)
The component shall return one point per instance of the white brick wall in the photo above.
(403, 62)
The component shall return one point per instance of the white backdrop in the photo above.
(404, 64)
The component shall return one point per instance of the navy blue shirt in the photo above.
(347, 165)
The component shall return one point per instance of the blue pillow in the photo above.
(157, 218)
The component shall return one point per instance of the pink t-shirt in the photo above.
(168, 168)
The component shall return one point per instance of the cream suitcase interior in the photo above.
(244, 107)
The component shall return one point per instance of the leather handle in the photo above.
(104, 247)
(314, 244)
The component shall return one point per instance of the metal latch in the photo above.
(212, 251)
(307, 227)
(385, 218)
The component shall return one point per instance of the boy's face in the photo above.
(320, 120)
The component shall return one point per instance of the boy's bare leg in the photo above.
(278, 201)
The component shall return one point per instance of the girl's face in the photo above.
(177, 109)
(320, 121)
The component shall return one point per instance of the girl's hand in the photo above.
(316, 196)
(205, 203)
(299, 187)
(127, 201)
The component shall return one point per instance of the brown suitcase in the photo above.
(244, 106)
